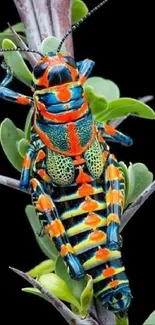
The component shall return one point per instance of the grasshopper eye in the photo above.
(69, 60)
(40, 69)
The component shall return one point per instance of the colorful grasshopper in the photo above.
(77, 185)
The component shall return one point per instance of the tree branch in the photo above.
(132, 209)
(27, 15)
(11, 182)
(61, 18)
(31, 58)
(45, 18)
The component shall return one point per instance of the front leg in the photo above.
(115, 194)
(27, 163)
(111, 134)
(53, 226)
(13, 96)
(10, 95)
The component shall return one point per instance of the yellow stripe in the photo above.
(88, 244)
(102, 277)
(73, 196)
(78, 211)
(92, 262)
(82, 227)
(108, 287)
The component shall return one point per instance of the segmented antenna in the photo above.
(79, 22)
(20, 50)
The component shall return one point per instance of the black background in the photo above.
(120, 39)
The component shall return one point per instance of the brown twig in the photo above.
(31, 58)
(45, 18)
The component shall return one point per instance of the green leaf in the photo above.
(87, 296)
(50, 44)
(143, 178)
(22, 147)
(15, 61)
(103, 87)
(97, 103)
(21, 133)
(18, 27)
(33, 291)
(131, 183)
(10, 36)
(44, 267)
(123, 107)
(46, 245)
(150, 320)
(28, 123)
(10, 136)
(79, 10)
(122, 321)
(126, 176)
(54, 284)
(76, 287)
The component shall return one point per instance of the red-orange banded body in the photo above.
(78, 186)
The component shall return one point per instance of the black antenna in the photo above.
(20, 50)
(79, 22)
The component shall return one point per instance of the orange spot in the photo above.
(103, 253)
(78, 161)
(113, 217)
(110, 271)
(43, 81)
(74, 72)
(114, 283)
(85, 189)
(64, 96)
(40, 156)
(55, 229)
(89, 205)
(44, 203)
(105, 155)
(83, 177)
(73, 137)
(92, 220)
(82, 79)
(100, 138)
(109, 129)
(113, 173)
(34, 183)
(27, 162)
(66, 249)
(23, 100)
(114, 197)
(97, 236)
(44, 175)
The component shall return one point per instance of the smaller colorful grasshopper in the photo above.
(77, 185)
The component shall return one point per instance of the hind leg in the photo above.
(115, 193)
